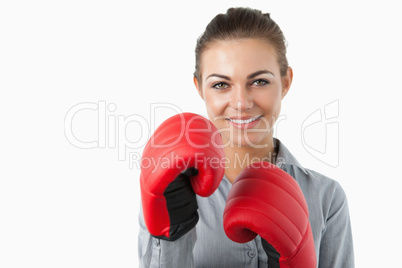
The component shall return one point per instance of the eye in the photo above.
(220, 85)
(260, 82)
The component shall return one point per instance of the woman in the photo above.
(242, 74)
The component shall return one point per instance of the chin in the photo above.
(252, 142)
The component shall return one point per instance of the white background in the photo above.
(65, 206)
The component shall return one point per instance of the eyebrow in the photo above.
(260, 72)
(248, 77)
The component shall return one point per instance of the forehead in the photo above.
(238, 56)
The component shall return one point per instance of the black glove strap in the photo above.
(181, 204)
(273, 255)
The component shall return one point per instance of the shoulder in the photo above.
(316, 184)
(330, 186)
(321, 192)
(325, 182)
(325, 196)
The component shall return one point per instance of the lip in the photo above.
(245, 125)
(243, 117)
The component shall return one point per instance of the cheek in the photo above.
(215, 104)
(269, 101)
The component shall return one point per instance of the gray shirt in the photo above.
(207, 245)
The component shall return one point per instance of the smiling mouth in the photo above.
(245, 121)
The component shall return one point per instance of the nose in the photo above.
(241, 99)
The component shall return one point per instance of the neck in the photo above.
(239, 157)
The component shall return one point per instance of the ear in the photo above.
(197, 85)
(287, 82)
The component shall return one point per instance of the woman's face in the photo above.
(242, 89)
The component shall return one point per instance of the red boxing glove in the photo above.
(267, 201)
(182, 158)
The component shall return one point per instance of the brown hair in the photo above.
(242, 23)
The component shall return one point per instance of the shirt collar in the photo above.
(284, 157)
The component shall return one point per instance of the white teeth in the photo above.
(238, 121)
